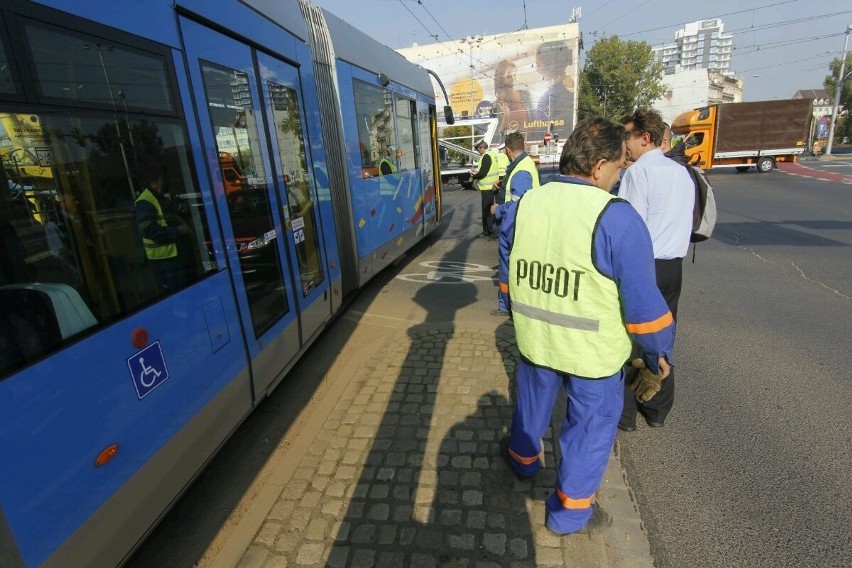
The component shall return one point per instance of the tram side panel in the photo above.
(116, 384)
(113, 413)
(385, 176)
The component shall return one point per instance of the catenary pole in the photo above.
(840, 80)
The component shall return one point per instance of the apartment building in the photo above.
(698, 45)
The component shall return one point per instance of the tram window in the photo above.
(235, 125)
(74, 67)
(405, 124)
(294, 162)
(373, 107)
(76, 252)
(7, 86)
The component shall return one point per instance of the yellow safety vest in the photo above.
(525, 165)
(502, 163)
(567, 314)
(152, 250)
(390, 163)
(492, 176)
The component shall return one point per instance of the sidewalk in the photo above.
(399, 466)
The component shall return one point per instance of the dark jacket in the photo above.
(678, 154)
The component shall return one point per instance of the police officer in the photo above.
(484, 176)
(580, 270)
(521, 175)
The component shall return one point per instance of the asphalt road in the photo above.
(753, 466)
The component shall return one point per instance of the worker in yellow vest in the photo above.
(499, 193)
(484, 176)
(161, 230)
(580, 272)
(521, 176)
(387, 165)
(502, 165)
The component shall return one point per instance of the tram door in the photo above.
(271, 246)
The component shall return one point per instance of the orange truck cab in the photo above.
(232, 177)
(742, 135)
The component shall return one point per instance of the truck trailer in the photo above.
(741, 135)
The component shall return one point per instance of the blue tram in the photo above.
(190, 191)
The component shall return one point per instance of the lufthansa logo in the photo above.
(550, 279)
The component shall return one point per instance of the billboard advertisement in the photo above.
(526, 79)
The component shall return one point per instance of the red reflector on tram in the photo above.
(106, 456)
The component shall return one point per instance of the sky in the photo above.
(780, 46)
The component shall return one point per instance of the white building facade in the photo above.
(821, 115)
(698, 45)
(687, 90)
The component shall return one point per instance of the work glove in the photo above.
(647, 383)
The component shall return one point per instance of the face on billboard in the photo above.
(526, 79)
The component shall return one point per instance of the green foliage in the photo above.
(618, 77)
(830, 82)
(461, 136)
(844, 126)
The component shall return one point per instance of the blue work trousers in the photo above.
(586, 440)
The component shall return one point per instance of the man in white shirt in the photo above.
(663, 194)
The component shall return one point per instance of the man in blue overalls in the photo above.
(579, 268)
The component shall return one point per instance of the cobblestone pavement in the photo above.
(405, 471)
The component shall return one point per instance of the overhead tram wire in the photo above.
(774, 45)
(454, 51)
(717, 16)
(790, 22)
(754, 48)
(599, 8)
(782, 64)
(627, 12)
(446, 33)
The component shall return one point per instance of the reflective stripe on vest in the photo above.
(152, 250)
(525, 165)
(491, 177)
(567, 314)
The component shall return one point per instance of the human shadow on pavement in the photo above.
(434, 489)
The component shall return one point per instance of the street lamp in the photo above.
(841, 79)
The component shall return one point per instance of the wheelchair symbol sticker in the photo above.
(148, 369)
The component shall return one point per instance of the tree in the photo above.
(844, 125)
(618, 77)
(460, 136)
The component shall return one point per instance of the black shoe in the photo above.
(598, 523)
(504, 451)
(653, 424)
(500, 313)
(482, 236)
(626, 426)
